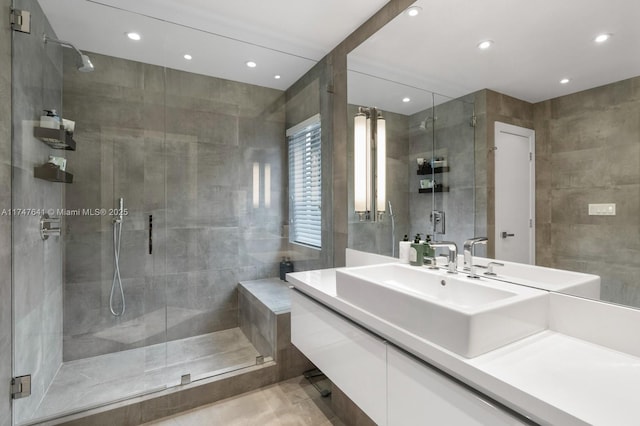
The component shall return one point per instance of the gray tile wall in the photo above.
(180, 147)
(5, 203)
(455, 141)
(37, 264)
(375, 237)
(588, 151)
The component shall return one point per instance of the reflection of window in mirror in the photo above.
(305, 188)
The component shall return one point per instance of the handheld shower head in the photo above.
(83, 62)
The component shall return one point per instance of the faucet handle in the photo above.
(489, 268)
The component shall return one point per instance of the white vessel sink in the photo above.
(559, 280)
(467, 316)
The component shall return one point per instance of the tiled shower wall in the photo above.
(180, 147)
(588, 151)
(455, 141)
(37, 264)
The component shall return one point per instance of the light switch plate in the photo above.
(608, 209)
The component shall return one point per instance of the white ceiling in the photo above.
(284, 37)
(536, 43)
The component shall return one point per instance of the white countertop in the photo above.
(549, 377)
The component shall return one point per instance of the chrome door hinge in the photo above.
(531, 156)
(530, 223)
(474, 120)
(21, 387)
(21, 21)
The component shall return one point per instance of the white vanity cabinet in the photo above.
(419, 395)
(389, 385)
(354, 359)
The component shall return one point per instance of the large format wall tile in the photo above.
(179, 147)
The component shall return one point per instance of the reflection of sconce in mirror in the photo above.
(370, 164)
(256, 185)
(49, 226)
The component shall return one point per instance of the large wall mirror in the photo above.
(581, 97)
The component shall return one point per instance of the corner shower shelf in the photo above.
(55, 138)
(431, 190)
(427, 170)
(52, 173)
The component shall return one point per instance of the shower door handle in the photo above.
(150, 234)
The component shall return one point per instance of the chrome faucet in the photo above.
(453, 254)
(468, 251)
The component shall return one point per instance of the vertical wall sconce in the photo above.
(370, 165)
(261, 185)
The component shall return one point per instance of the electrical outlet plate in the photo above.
(608, 209)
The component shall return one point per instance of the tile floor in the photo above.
(102, 379)
(294, 402)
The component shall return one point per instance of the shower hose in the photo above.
(117, 281)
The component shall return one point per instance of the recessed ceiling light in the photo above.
(601, 38)
(188, 57)
(405, 100)
(485, 44)
(564, 81)
(134, 36)
(277, 77)
(251, 64)
(413, 11)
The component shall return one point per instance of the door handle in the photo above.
(505, 234)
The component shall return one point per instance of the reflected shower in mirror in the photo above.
(581, 98)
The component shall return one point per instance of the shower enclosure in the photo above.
(133, 298)
(431, 177)
(444, 193)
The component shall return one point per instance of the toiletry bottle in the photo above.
(288, 267)
(51, 120)
(428, 251)
(403, 252)
(416, 253)
(283, 267)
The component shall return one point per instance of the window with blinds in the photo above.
(305, 183)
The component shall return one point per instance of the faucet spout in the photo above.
(468, 250)
(453, 254)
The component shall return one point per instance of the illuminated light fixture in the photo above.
(134, 36)
(277, 76)
(369, 172)
(256, 185)
(188, 57)
(267, 185)
(564, 81)
(413, 11)
(405, 100)
(485, 44)
(601, 38)
(251, 64)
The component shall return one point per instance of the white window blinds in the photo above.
(305, 183)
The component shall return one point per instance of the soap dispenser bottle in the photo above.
(428, 251)
(416, 253)
(405, 247)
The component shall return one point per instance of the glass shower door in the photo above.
(454, 171)
(82, 344)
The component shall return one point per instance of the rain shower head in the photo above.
(426, 122)
(83, 62)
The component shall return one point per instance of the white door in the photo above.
(514, 193)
